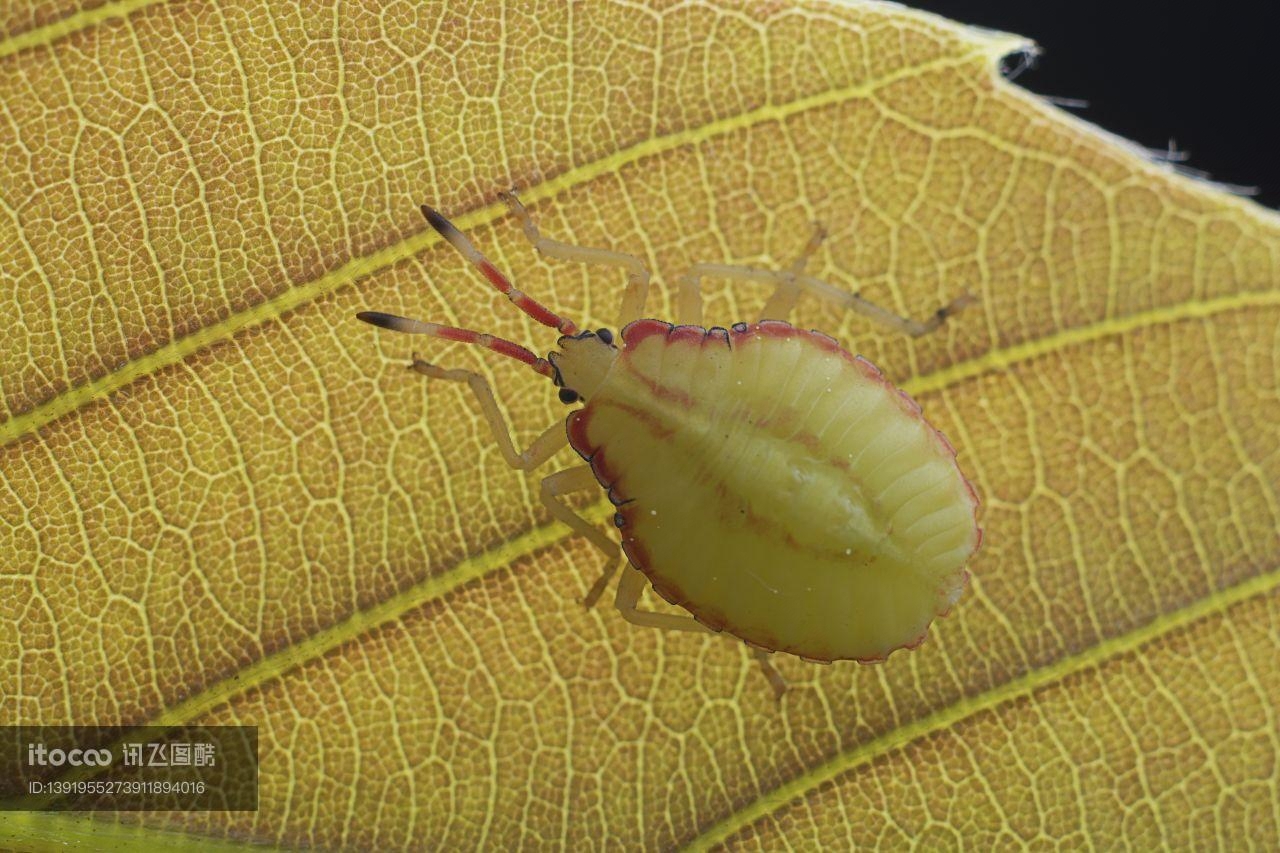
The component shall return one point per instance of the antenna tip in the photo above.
(377, 318)
(438, 222)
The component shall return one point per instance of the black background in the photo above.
(1206, 74)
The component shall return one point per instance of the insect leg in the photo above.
(637, 272)
(543, 447)
(780, 303)
(557, 485)
(855, 302)
(776, 681)
(629, 589)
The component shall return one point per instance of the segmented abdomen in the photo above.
(779, 489)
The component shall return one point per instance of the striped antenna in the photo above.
(523, 301)
(466, 336)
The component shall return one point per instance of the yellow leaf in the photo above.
(225, 501)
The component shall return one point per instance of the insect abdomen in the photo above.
(779, 488)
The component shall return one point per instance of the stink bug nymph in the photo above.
(765, 480)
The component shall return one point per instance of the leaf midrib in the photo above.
(85, 19)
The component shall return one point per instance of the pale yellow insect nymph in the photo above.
(767, 481)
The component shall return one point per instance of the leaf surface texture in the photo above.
(225, 500)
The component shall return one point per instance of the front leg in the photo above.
(543, 447)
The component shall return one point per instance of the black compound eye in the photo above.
(568, 396)
(605, 335)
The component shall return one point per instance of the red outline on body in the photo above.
(632, 335)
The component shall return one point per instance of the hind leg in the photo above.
(788, 285)
(776, 681)
(854, 302)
